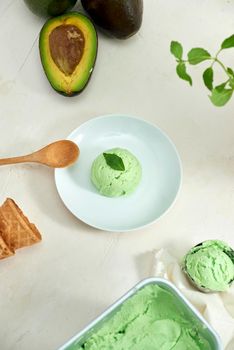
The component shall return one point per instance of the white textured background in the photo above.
(50, 291)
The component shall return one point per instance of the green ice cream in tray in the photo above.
(153, 315)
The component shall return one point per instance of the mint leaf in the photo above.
(220, 95)
(230, 71)
(198, 55)
(221, 87)
(231, 83)
(208, 76)
(181, 71)
(176, 49)
(114, 161)
(227, 43)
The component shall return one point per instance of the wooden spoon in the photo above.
(59, 154)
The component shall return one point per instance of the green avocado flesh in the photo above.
(153, 319)
(114, 183)
(119, 18)
(210, 265)
(68, 50)
(47, 8)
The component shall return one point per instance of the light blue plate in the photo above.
(161, 174)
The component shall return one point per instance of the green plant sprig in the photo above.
(221, 93)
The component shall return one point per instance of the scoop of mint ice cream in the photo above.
(210, 265)
(114, 183)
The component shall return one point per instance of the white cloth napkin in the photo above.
(217, 308)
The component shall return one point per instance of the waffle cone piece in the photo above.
(5, 251)
(15, 229)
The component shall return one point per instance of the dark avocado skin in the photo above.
(120, 18)
(49, 8)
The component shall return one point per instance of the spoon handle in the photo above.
(15, 160)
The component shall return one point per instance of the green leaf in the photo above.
(208, 76)
(230, 71)
(229, 42)
(181, 71)
(231, 83)
(114, 161)
(220, 95)
(221, 87)
(198, 55)
(176, 49)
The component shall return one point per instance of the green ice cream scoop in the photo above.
(210, 266)
(114, 181)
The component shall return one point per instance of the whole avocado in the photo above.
(49, 8)
(120, 18)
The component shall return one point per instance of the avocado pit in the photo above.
(66, 43)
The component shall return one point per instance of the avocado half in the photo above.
(68, 49)
(49, 8)
(119, 18)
